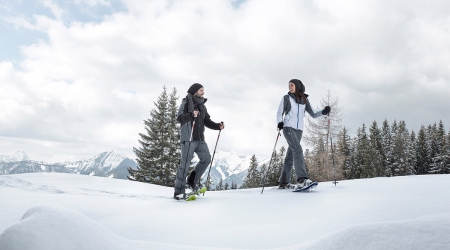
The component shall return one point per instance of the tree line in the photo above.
(394, 151)
(375, 152)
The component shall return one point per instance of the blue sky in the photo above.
(74, 11)
(79, 77)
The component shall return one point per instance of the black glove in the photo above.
(326, 110)
(280, 125)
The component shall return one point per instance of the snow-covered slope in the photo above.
(61, 211)
(107, 164)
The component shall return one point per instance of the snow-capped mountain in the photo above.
(107, 164)
(227, 166)
(230, 167)
(17, 156)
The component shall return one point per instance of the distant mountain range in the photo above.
(227, 166)
(107, 164)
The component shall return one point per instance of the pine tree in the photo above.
(401, 141)
(438, 162)
(362, 154)
(253, 178)
(376, 151)
(274, 172)
(317, 169)
(159, 154)
(421, 152)
(432, 148)
(233, 185)
(219, 186)
(350, 165)
(309, 162)
(227, 186)
(343, 151)
(263, 175)
(447, 150)
(387, 148)
(209, 184)
(412, 161)
(271, 175)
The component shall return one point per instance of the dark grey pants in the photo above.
(187, 153)
(294, 156)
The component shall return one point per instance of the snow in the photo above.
(63, 211)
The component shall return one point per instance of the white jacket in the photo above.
(294, 118)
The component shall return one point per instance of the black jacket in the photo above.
(186, 118)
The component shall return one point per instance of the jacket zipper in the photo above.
(298, 113)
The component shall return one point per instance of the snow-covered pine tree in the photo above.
(279, 166)
(421, 152)
(253, 178)
(309, 161)
(438, 162)
(362, 154)
(263, 175)
(342, 151)
(412, 161)
(271, 175)
(432, 148)
(393, 160)
(400, 145)
(173, 150)
(317, 169)
(209, 184)
(447, 150)
(375, 151)
(387, 148)
(275, 169)
(158, 156)
(350, 166)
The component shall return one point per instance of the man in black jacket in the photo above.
(192, 139)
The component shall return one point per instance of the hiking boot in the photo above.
(196, 188)
(303, 182)
(190, 180)
(179, 196)
(285, 186)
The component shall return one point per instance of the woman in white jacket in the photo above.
(293, 106)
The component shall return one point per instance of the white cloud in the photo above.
(91, 84)
(93, 2)
(56, 10)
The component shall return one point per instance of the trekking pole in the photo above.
(207, 179)
(189, 147)
(192, 128)
(270, 163)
